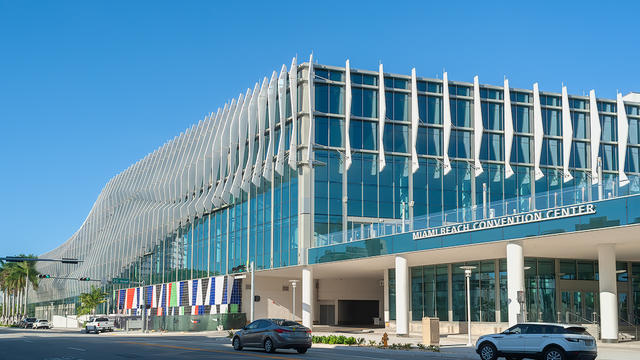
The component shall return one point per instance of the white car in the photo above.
(99, 324)
(539, 341)
(41, 324)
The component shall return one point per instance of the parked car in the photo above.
(99, 324)
(272, 334)
(27, 323)
(539, 341)
(41, 324)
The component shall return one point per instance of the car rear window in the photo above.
(577, 330)
(31, 319)
(102, 319)
(281, 322)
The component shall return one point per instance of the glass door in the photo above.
(578, 307)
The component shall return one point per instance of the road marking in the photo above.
(208, 350)
(79, 349)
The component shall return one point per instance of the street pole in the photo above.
(144, 309)
(253, 302)
(293, 285)
(26, 290)
(467, 274)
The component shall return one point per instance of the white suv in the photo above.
(539, 341)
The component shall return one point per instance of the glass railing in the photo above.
(516, 205)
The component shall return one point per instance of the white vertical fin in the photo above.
(508, 130)
(252, 122)
(311, 94)
(477, 126)
(623, 135)
(282, 103)
(262, 117)
(567, 135)
(347, 116)
(382, 113)
(538, 132)
(446, 123)
(242, 140)
(293, 94)
(595, 135)
(267, 173)
(415, 120)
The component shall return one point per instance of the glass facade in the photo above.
(380, 202)
(569, 295)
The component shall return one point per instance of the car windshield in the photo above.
(577, 330)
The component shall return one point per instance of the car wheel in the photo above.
(236, 344)
(488, 351)
(268, 346)
(302, 350)
(553, 353)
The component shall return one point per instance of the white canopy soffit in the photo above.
(538, 132)
(567, 135)
(347, 116)
(623, 137)
(382, 113)
(446, 123)
(508, 130)
(477, 126)
(415, 120)
(595, 135)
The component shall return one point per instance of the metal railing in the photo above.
(522, 204)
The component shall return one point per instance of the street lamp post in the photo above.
(293, 285)
(253, 291)
(467, 274)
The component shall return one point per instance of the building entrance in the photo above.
(579, 306)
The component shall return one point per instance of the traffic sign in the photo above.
(120, 281)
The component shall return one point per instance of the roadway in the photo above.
(59, 344)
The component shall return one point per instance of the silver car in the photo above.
(272, 334)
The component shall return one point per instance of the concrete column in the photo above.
(402, 296)
(386, 297)
(515, 280)
(608, 293)
(307, 297)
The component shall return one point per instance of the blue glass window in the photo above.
(434, 110)
(523, 120)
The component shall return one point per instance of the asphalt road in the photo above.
(75, 345)
(61, 344)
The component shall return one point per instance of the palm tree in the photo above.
(14, 278)
(30, 276)
(90, 301)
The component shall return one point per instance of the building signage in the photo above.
(550, 214)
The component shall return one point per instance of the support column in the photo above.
(307, 297)
(515, 281)
(608, 293)
(402, 296)
(386, 298)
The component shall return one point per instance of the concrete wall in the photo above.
(331, 290)
(274, 302)
(277, 303)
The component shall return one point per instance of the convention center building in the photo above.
(339, 196)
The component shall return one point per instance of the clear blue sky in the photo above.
(89, 87)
